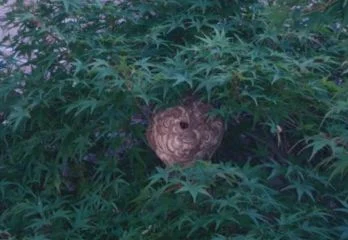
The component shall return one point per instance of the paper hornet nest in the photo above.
(185, 133)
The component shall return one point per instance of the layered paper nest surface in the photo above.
(185, 133)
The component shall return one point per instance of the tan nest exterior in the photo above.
(185, 133)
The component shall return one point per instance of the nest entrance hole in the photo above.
(184, 125)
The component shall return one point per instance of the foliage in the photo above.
(74, 163)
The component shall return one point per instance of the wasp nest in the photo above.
(185, 133)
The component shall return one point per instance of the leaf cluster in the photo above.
(83, 78)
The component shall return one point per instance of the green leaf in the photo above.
(193, 190)
(82, 105)
(301, 189)
(18, 115)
